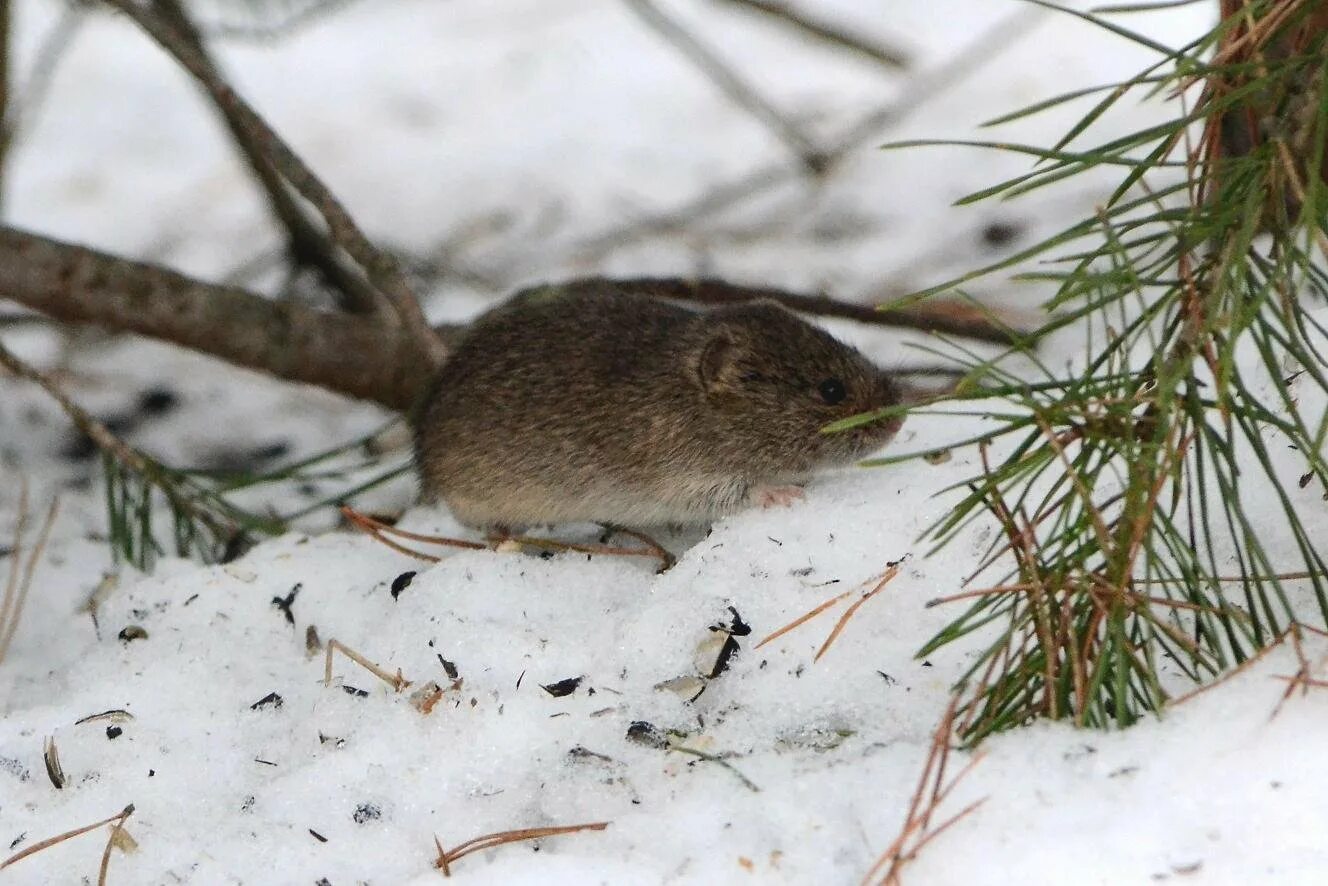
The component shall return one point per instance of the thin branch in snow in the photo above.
(891, 571)
(379, 531)
(857, 604)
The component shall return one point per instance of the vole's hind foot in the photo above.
(777, 496)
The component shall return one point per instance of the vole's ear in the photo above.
(714, 362)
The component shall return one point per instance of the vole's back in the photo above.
(572, 406)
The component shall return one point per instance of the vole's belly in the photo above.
(516, 501)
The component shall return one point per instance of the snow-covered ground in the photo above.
(507, 139)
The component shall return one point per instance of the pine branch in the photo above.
(1121, 488)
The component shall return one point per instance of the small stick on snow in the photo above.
(713, 758)
(397, 682)
(802, 619)
(447, 856)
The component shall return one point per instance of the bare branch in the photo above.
(888, 56)
(340, 352)
(937, 315)
(379, 266)
(306, 245)
(739, 91)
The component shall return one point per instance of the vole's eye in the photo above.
(832, 391)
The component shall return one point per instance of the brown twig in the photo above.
(738, 91)
(396, 681)
(117, 834)
(802, 619)
(305, 244)
(888, 56)
(380, 267)
(119, 819)
(446, 857)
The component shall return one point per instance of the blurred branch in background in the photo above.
(741, 93)
(836, 35)
(914, 93)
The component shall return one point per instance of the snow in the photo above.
(513, 135)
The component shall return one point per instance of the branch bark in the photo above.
(341, 352)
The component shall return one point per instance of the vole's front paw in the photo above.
(776, 496)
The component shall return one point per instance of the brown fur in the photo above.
(592, 405)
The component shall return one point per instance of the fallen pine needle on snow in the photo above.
(714, 758)
(118, 819)
(397, 681)
(891, 571)
(889, 574)
(447, 856)
(380, 531)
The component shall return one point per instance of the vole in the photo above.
(586, 404)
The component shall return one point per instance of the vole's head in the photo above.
(776, 381)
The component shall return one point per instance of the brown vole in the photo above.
(589, 405)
